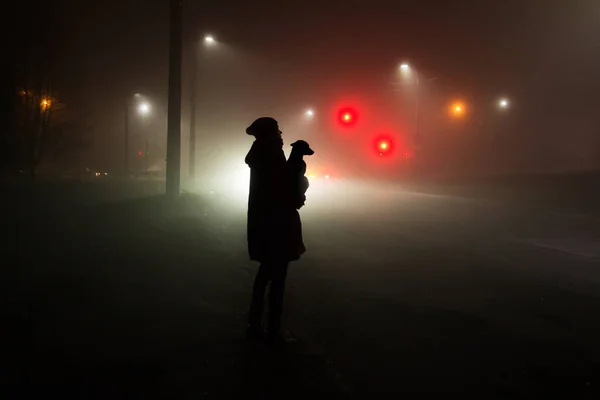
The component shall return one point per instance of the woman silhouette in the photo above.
(274, 230)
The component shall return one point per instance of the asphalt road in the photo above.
(435, 294)
(399, 292)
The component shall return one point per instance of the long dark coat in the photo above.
(274, 227)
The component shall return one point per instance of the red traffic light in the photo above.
(383, 146)
(347, 116)
(140, 153)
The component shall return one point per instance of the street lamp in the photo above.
(457, 109)
(406, 70)
(503, 104)
(310, 113)
(209, 39)
(45, 104)
(144, 108)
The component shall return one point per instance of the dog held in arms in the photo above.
(296, 168)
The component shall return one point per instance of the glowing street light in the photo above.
(503, 104)
(407, 73)
(144, 108)
(45, 103)
(457, 110)
(310, 113)
(209, 39)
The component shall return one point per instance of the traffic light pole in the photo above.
(173, 173)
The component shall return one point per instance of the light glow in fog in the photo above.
(230, 184)
(225, 184)
(228, 189)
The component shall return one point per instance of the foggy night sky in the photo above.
(543, 54)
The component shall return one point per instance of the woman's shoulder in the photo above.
(265, 153)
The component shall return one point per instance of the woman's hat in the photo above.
(262, 126)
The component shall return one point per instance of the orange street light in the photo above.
(45, 103)
(457, 109)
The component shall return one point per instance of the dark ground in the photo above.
(109, 291)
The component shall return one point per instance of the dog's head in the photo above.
(302, 148)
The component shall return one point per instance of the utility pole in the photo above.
(193, 115)
(126, 140)
(173, 173)
(418, 94)
(147, 165)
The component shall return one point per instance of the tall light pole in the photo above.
(143, 109)
(192, 160)
(407, 70)
(126, 160)
(146, 163)
(502, 105)
(209, 40)
(173, 173)
(418, 95)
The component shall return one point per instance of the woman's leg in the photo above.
(279, 274)
(258, 295)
